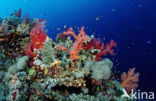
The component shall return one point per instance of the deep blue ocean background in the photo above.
(131, 23)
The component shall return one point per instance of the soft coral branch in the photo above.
(37, 37)
(106, 49)
(71, 32)
(78, 43)
(129, 81)
(96, 44)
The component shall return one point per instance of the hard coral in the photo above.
(100, 70)
(78, 43)
(129, 81)
(48, 52)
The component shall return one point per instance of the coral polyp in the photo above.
(75, 67)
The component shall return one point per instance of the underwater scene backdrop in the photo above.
(77, 50)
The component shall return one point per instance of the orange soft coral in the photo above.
(129, 81)
(78, 43)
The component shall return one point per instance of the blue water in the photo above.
(131, 23)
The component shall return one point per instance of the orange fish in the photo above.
(2, 39)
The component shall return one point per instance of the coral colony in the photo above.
(33, 67)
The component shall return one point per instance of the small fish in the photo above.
(43, 14)
(65, 28)
(2, 39)
(42, 20)
(113, 9)
(97, 18)
(58, 28)
(140, 6)
(148, 42)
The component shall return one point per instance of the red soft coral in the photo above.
(37, 37)
(29, 52)
(105, 49)
(96, 44)
(129, 81)
(78, 43)
(93, 44)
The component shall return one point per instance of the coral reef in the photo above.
(36, 68)
(14, 35)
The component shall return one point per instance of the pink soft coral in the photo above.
(129, 81)
(78, 42)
